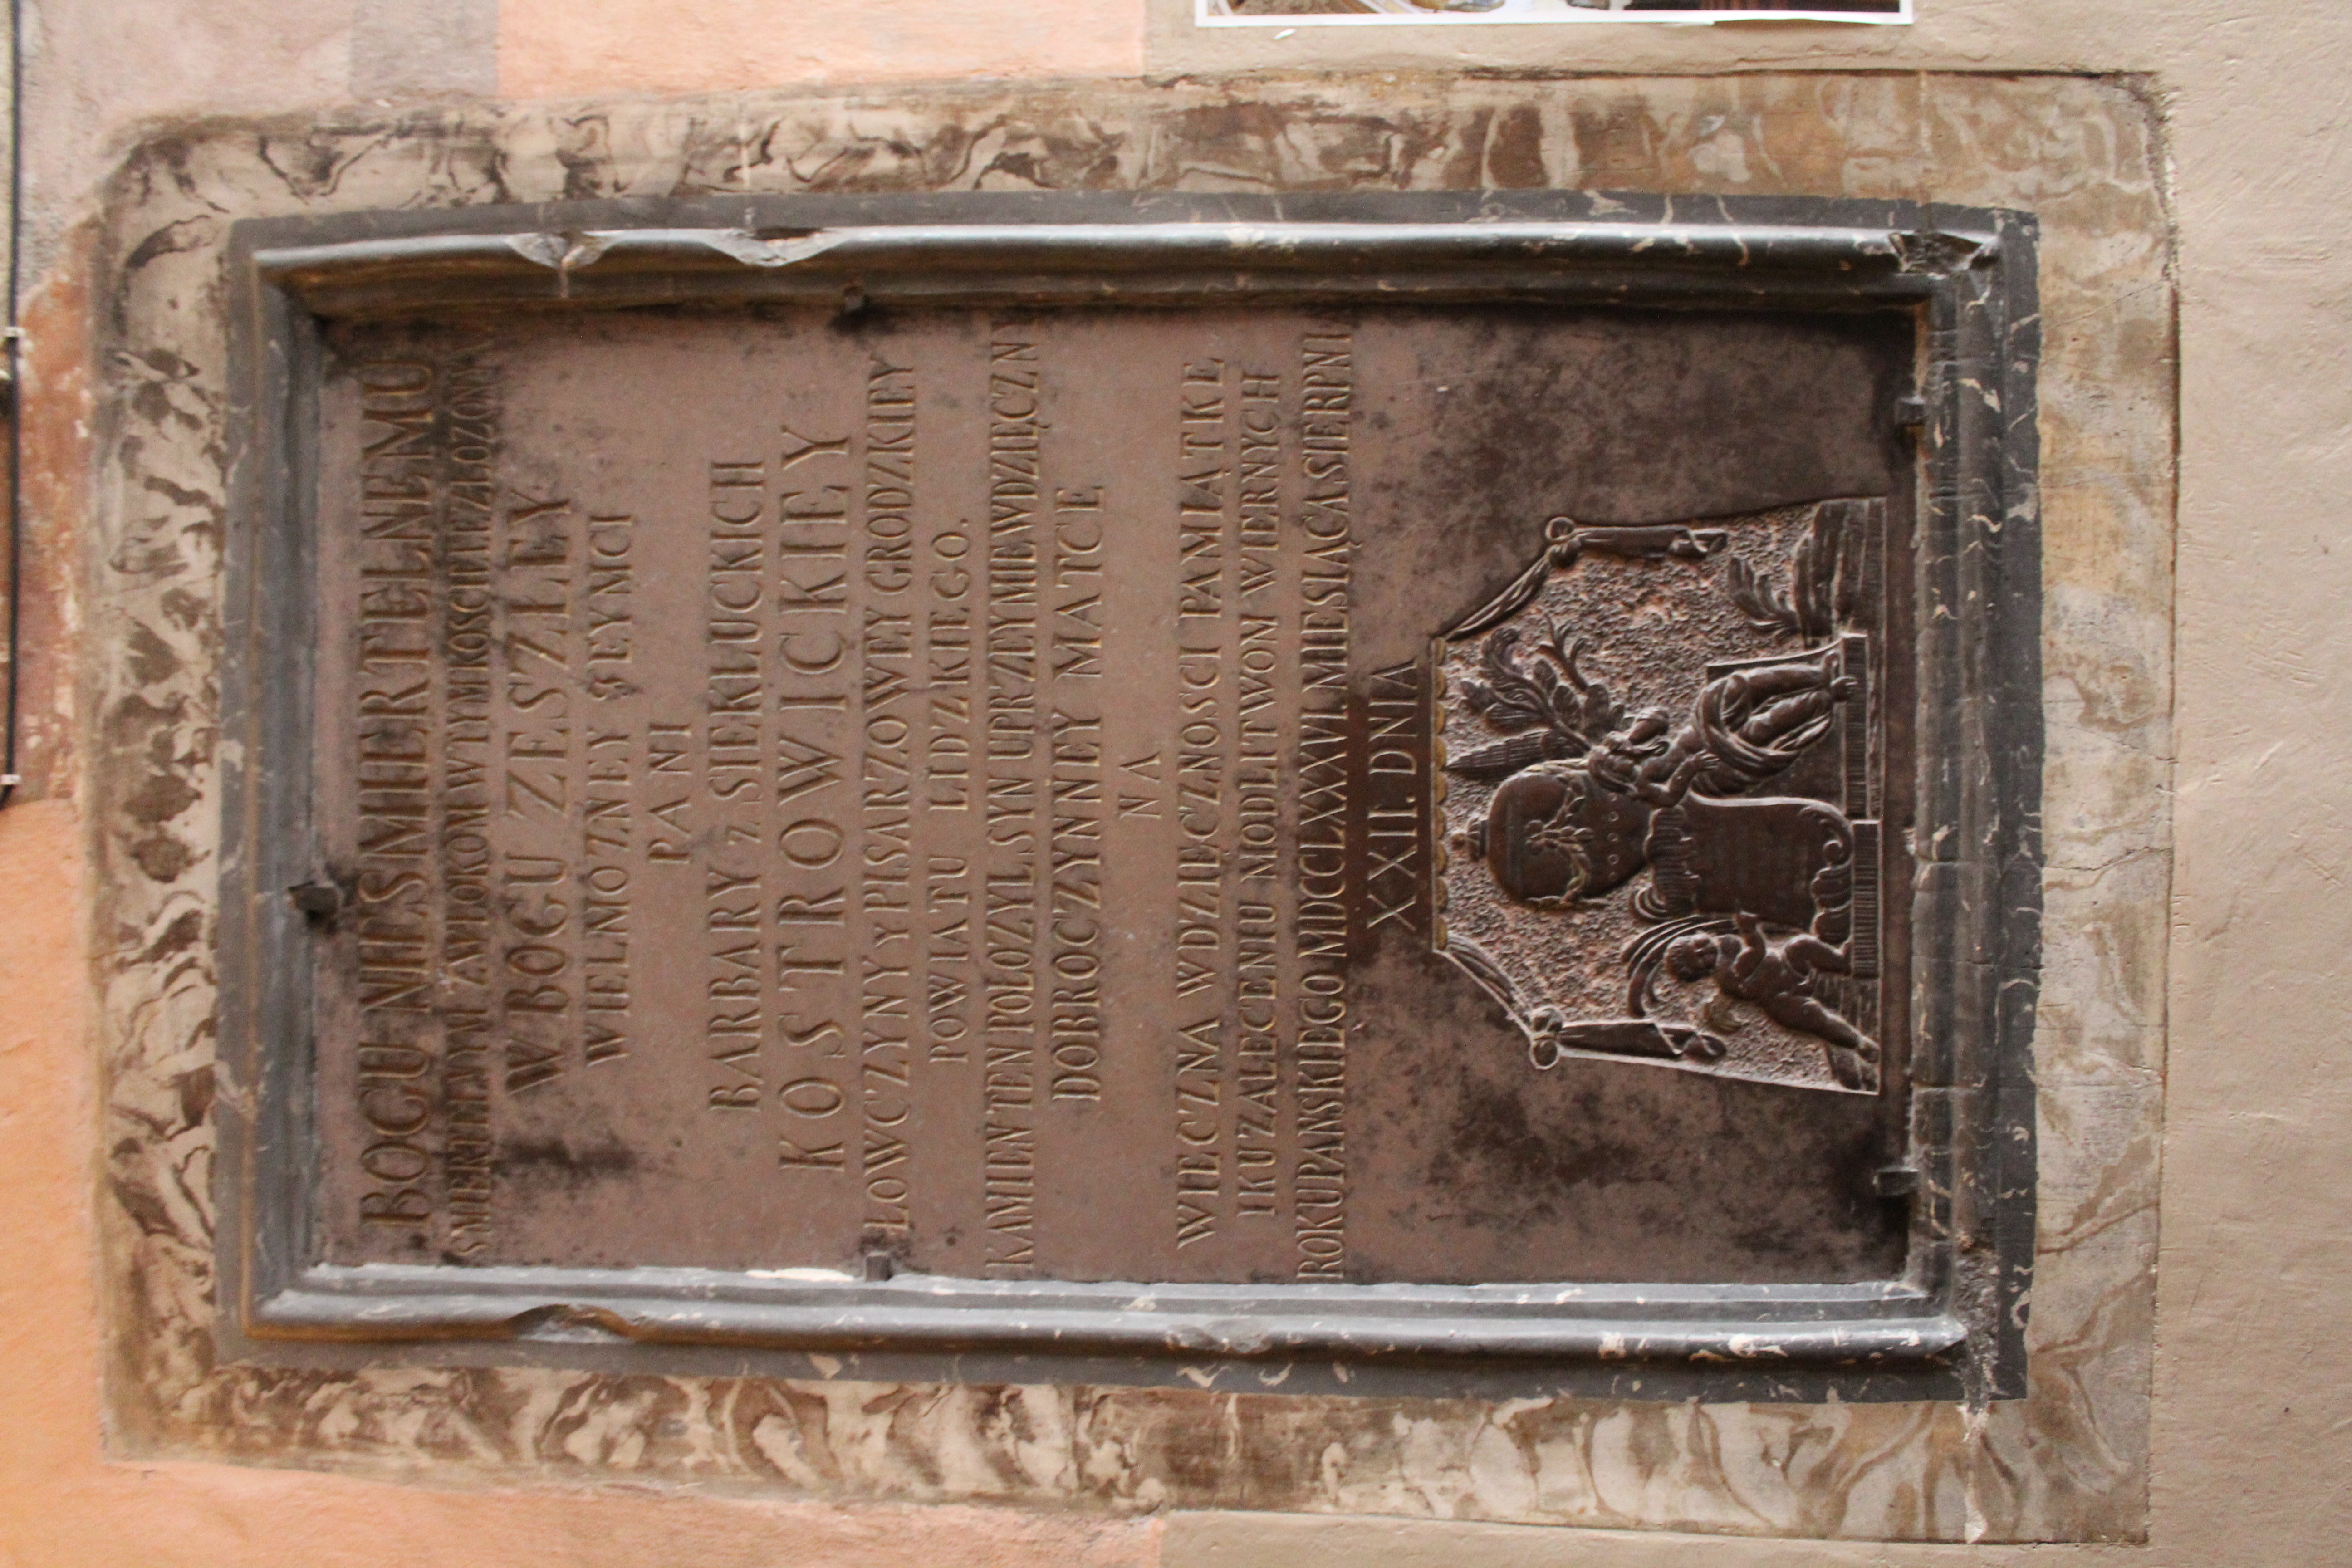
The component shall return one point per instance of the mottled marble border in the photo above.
(2067, 1463)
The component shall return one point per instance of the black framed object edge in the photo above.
(1953, 1328)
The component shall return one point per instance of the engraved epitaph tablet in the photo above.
(1086, 788)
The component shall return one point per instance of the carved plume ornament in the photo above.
(1663, 751)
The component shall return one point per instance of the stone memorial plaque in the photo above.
(1108, 783)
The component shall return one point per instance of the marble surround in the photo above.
(2068, 1464)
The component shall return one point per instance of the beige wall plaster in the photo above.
(415, 49)
(565, 48)
(93, 72)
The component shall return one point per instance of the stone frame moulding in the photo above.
(1953, 1327)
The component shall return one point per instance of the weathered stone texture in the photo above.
(2069, 1463)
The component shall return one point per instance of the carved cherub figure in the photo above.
(1777, 978)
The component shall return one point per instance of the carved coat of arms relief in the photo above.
(1664, 764)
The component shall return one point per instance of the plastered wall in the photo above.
(2249, 1435)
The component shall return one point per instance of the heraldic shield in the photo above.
(1664, 759)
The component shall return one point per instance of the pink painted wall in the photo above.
(563, 48)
